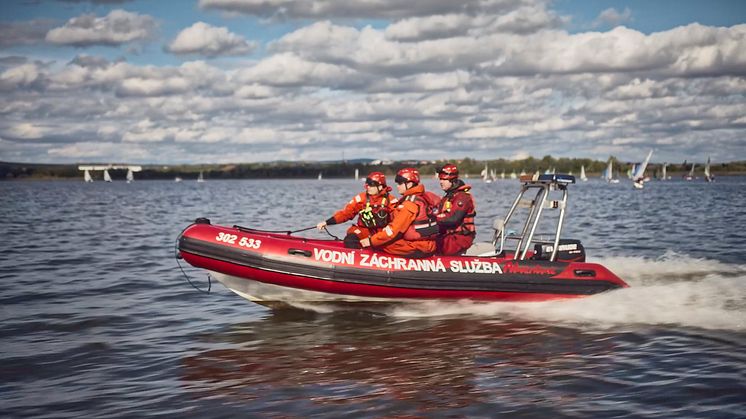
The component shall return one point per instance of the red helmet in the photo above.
(408, 174)
(448, 172)
(376, 179)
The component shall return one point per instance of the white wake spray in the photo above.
(673, 289)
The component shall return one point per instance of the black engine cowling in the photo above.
(569, 251)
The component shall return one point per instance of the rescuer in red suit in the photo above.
(373, 208)
(455, 213)
(411, 231)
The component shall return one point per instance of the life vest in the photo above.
(424, 226)
(374, 216)
(467, 226)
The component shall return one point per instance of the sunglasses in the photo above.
(370, 182)
(400, 180)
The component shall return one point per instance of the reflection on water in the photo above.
(425, 366)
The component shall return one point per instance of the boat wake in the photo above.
(673, 289)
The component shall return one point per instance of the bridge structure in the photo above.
(87, 169)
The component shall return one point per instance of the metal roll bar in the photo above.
(544, 184)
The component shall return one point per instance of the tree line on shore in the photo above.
(346, 169)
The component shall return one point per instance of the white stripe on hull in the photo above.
(260, 292)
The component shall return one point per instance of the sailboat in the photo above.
(107, 178)
(690, 175)
(357, 174)
(320, 177)
(130, 176)
(493, 175)
(87, 176)
(485, 173)
(708, 176)
(638, 177)
(663, 175)
(583, 177)
(200, 178)
(608, 174)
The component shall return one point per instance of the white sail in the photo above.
(107, 178)
(690, 175)
(502, 175)
(177, 179)
(663, 176)
(639, 172)
(608, 174)
(638, 176)
(201, 177)
(708, 175)
(493, 175)
(357, 174)
(87, 176)
(582, 173)
(514, 176)
(485, 173)
(320, 177)
(130, 176)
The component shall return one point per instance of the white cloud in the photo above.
(91, 150)
(492, 82)
(302, 9)
(613, 17)
(25, 131)
(19, 76)
(138, 86)
(117, 28)
(204, 39)
(523, 20)
(290, 70)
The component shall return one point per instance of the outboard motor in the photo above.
(569, 251)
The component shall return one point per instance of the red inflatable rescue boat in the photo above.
(278, 268)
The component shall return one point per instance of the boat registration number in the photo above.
(243, 241)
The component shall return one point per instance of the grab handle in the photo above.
(299, 252)
(585, 273)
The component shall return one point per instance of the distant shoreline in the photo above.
(346, 170)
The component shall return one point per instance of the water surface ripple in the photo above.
(97, 319)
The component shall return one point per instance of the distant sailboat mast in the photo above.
(690, 175)
(708, 175)
(638, 177)
(608, 174)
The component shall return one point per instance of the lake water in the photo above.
(98, 321)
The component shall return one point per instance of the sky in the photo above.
(238, 81)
